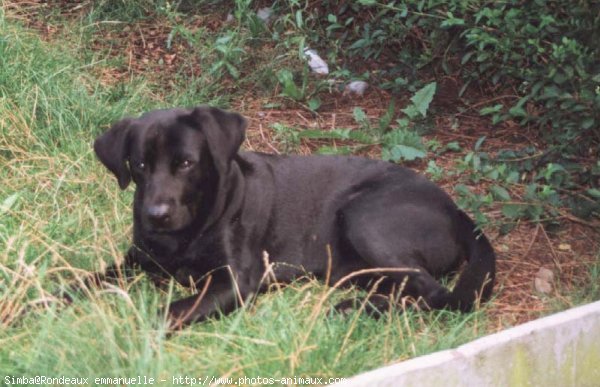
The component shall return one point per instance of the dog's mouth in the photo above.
(165, 229)
(170, 225)
(162, 230)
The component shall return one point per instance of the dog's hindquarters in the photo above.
(416, 226)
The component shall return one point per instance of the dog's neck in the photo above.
(228, 198)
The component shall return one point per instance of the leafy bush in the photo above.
(539, 61)
(550, 54)
(547, 51)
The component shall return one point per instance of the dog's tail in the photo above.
(477, 279)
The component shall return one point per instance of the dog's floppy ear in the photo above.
(224, 133)
(112, 148)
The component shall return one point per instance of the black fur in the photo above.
(202, 207)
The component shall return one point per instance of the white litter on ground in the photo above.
(315, 62)
(356, 87)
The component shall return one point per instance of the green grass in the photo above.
(583, 291)
(61, 214)
(283, 334)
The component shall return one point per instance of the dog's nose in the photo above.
(159, 214)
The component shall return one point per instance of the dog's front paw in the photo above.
(375, 306)
(175, 319)
(346, 307)
(184, 312)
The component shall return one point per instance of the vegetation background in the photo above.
(498, 102)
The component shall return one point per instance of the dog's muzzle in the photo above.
(159, 215)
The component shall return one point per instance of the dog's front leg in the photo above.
(223, 297)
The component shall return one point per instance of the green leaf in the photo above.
(500, 193)
(505, 228)
(550, 92)
(335, 150)
(479, 143)
(587, 123)
(314, 104)
(466, 57)
(423, 98)
(386, 119)
(513, 177)
(360, 136)
(403, 123)
(517, 110)
(222, 40)
(337, 134)
(462, 189)
(491, 109)
(360, 117)
(289, 88)
(593, 192)
(402, 144)
(410, 153)
(492, 173)
(453, 146)
(534, 212)
(272, 105)
(513, 211)
(452, 21)
(496, 118)
(299, 20)
(402, 152)
(404, 137)
(531, 192)
(233, 71)
(411, 111)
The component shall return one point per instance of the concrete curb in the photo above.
(559, 350)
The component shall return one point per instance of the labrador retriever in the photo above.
(208, 214)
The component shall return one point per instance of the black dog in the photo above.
(204, 209)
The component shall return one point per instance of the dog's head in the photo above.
(175, 157)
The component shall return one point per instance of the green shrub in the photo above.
(541, 59)
(547, 51)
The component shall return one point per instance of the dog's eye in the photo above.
(185, 164)
(139, 165)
